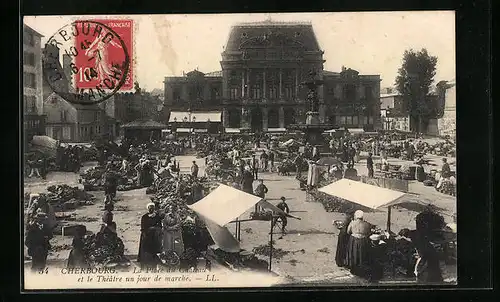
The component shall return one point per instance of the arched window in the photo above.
(234, 118)
(273, 118)
(289, 116)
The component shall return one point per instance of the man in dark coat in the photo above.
(369, 165)
(110, 182)
(194, 170)
(255, 167)
(247, 181)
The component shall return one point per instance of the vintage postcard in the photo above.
(239, 150)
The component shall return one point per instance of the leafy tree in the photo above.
(414, 81)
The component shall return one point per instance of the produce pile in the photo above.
(448, 187)
(443, 148)
(104, 249)
(64, 197)
(92, 179)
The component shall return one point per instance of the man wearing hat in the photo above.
(37, 241)
(284, 207)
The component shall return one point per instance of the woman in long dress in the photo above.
(149, 245)
(343, 240)
(358, 247)
(172, 233)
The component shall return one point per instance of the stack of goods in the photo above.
(104, 249)
(64, 197)
(443, 148)
(265, 250)
(92, 179)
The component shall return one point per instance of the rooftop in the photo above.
(272, 33)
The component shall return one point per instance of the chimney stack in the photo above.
(67, 69)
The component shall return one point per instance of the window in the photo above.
(342, 120)
(63, 116)
(29, 58)
(348, 120)
(256, 91)
(364, 120)
(368, 92)
(234, 93)
(97, 116)
(349, 92)
(370, 120)
(30, 104)
(176, 94)
(289, 92)
(29, 80)
(273, 92)
(215, 93)
(331, 91)
(29, 39)
(355, 120)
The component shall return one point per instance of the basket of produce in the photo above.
(169, 259)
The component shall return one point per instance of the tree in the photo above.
(414, 81)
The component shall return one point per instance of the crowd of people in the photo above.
(150, 162)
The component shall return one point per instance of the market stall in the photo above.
(225, 205)
(396, 252)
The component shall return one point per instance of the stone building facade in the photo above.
(259, 87)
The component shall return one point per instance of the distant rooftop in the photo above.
(270, 22)
(217, 73)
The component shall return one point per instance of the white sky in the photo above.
(370, 42)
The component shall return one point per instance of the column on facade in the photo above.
(225, 86)
(225, 117)
(297, 83)
(242, 83)
(264, 86)
(265, 119)
(281, 84)
(282, 117)
(248, 84)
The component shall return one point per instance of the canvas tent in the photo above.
(368, 196)
(222, 206)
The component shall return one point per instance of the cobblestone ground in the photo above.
(310, 242)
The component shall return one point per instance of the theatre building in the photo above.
(259, 87)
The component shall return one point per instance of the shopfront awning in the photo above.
(184, 130)
(369, 196)
(232, 130)
(195, 117)
(276, 130)
(356, 130)
(200, 130)
(224, 204)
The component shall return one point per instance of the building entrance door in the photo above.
(256, 117)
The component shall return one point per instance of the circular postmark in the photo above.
(94, 66)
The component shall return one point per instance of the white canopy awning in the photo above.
(184, 130)
(200, 130)
(370, 196)
(224, 204)
(276, 129)
(356, 130)
(222, 236)
(195, 117)
(232, 130)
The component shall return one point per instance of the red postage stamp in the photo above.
(100, 58)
